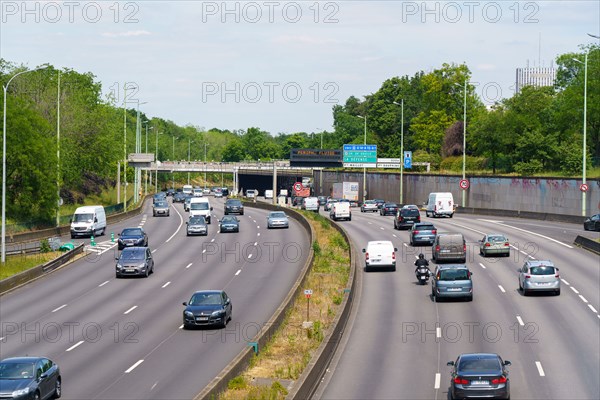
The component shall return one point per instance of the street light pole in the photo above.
(463, 201)
(205, 144)
(5, 89)
(584, 157)
(364, 168)
(401, 104)
(189, 152)
(173, 173)
(58, 152)
(156, 162)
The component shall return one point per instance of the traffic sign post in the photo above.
(360, 155)
(584, 187)
(464, 184)
(308, 293)
(298, 186)
(407, 159)
(388, 163)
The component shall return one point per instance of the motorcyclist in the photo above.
(421, 263)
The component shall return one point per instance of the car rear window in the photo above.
(408, 212)
(453, 275)
(451, 240)
(542, 271)
(496, 239)
(424, 227)
(481, 364)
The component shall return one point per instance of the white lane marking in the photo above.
(59, 308)
(181, 327)
(583, 299)
(258, 234)
(130, 310)
(166, 284)
(575, 290)
(153, 386)
(482, 266)
(203, 251)
(565, 282)
(381, 227)
(502, 289)
(154, 251)
(75, 345)
(2, 338)
(257, 226)
(520, 320)
(134, 366)
(189, 265)
(405, 245)
(238, 272)
(212, 240)
(592, 308)
(370, 223)
(249, 255)
(178, 228)
(255, 243)
(436, 384)
(539, 368)
(438, 332)
(534, 233)
(103, 283)
(394, 235)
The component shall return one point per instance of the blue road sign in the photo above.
(408, 159)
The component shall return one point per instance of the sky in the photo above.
(282, 65)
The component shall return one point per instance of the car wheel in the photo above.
(525, 292)
(451, 215)
(520, 287)
(36, 396)
(470, 298)
(147, 273)
(557, 292)
(57, 389)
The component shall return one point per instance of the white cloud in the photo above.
(126, 34)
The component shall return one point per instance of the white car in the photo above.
(197, 193)
(369, 205)
(380, 254)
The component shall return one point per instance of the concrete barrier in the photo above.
(31, 274)
(574, 219)
(241, 362)
(308, 382)
(588, 244)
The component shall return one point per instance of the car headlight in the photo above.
(20, 392)
(142, 265)
(119, 266)
(188, 314)
(217, 313)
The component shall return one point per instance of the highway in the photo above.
(122, 338)
(399, 339)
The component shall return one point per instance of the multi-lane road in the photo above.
(123, 338)
(400, 339)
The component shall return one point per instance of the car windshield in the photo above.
(277, 214)
(161, 204)
(479, 364)
(496, 238)
(199, 206)
(197, 220)
(542, 271)
(454, 275)
(133, 254)
(16, 370)
(410, 212)
(228, 220)
(204, 299)
(83, 217)
(234, 203)
(131, 232)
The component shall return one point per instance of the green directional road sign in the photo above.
(360, 155)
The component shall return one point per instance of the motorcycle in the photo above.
(423, 275)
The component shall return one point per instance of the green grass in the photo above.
(20, 263)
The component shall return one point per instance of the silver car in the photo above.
(161, 208)
(536, 275)
(452, 281)
(494, 244)
(197, 226)
(277, 219)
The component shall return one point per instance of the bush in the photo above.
(528, 168)
(237, 383)
(45, 246)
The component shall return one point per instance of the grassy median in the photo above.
(19, 263)
(292, 346)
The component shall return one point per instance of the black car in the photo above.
(479, 375)
(388, 209)
(380, 202)
(170, 192)
(134, 261)
(179, 197)
(234, 206)
(422, 233)
(592, 223)
(206, 308)
(160, 196)
(132, 237)
(406, 217)
(322, 200)
(30, 378)
(225, 191)
(229, 224)
(297, 201)
(197, 226)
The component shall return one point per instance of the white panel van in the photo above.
(88, 221)
(440, 204)
(200, 206)
(187, 189)
(340, 210)
(380, 253)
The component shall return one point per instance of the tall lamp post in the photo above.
(5, 89)
(58, 152)
(205, 144)
(401, 104)
(584, 161)
(464, 140)
(138, 149)
(189, 152)
(364, 168)
(156, 162)
(146, 151)
(173, 174)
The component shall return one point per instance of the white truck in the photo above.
(345, 190)
(88, 221)
(440, 204)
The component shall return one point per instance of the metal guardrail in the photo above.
(588, 244)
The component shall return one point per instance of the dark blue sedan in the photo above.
(229, 224)
(207, 308)
(29, 378)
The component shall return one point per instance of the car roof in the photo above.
(471, 356)
(22, 359)
(207, 291)
(380, 243)
(451, 266)
(540, 263)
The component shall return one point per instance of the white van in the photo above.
(381, 253)
(340, 210)
(88, 221)
(439, 204)
(187, 189)
(268, 194)
(197, 192)
(200, 206)
(310, 204)
(251, 193)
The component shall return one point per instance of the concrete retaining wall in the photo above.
(536, 195)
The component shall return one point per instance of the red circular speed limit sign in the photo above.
(464, 184)
(584, 187)
(298, 186)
